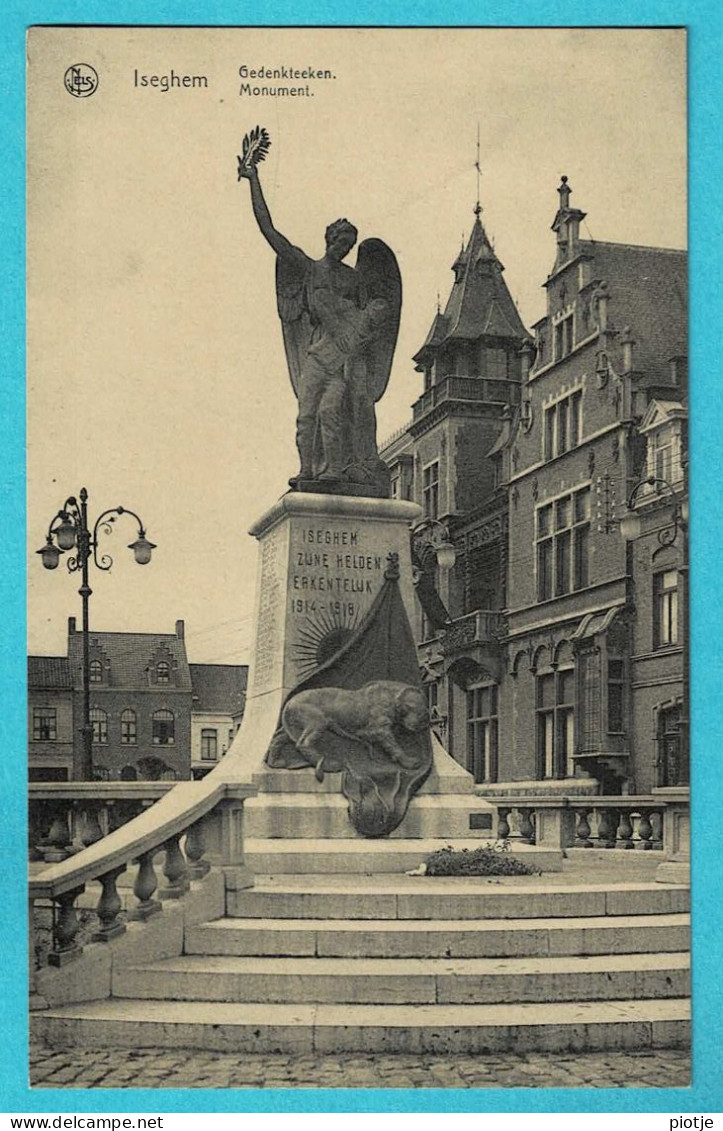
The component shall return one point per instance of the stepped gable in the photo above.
(479, 305)
(129, 657)
(648, 289)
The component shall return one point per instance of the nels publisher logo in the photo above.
(81, 80)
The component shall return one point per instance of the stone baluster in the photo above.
(36, 827)
(90, 830)
(65, 929)
(582, 830)
(195, 848)
(656, 822)
(145, 885)
(109, 906)
(527, 828)
(503, 827)
(645, 830)
(175, 870)
(607, 827)
(58, 841)
(625, 830)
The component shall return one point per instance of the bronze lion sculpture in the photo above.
(369, 715)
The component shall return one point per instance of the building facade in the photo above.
(140, 703)
(50, 719)
(561, 667)
(150, 720)
(219, 697)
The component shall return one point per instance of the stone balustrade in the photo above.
(642, 823)
(454, 388)
(186, 827)
(65, 817)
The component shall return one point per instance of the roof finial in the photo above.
(478, 206)
(439, 304)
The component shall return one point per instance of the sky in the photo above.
(156, 371)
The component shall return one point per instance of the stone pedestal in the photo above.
(675, 869)
(321, 564)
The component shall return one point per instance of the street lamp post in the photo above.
(69, 530)
(631, 528)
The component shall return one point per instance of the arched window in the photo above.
(99, 719)
(163, 672)
(129, 728)
(96, 671)
(164, 731)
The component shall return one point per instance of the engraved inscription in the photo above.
(271, 611)
(335, 573)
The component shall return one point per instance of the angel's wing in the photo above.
(291, 279)
(380, 279)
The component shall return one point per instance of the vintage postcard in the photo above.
(370, 347)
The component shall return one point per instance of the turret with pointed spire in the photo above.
(479, 307)
(472, 372)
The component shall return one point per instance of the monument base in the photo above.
(322, 559)
(322, 564)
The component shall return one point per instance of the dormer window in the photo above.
(163, 672)
(660, 455)
(664, 427)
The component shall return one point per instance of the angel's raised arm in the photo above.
(278, 242)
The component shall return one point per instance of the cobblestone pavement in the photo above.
(150, 1068)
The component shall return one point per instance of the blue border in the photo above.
(704, 20)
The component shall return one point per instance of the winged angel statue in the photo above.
(340, 327)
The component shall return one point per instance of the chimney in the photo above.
(71, 626)
(180, 629)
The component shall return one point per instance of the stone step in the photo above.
(288, 856)
(427, 897)
(316, 815)
(268, 1027)
(441, 938)
(408, 981)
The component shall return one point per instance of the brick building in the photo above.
(154, 715)
(562, 668)
(140, 703)
(50, 719)
(219, 697)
